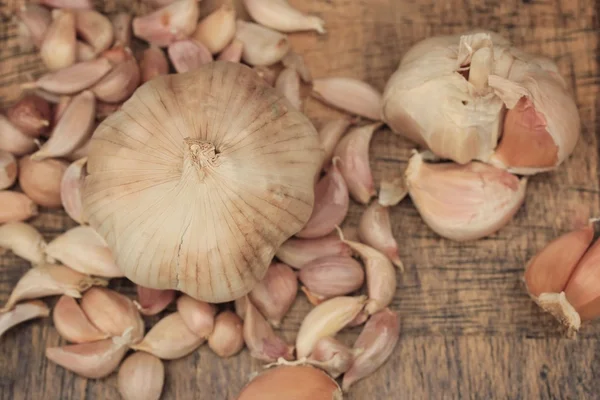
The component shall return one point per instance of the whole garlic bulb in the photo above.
(199, 178)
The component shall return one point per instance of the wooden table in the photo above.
(469, 328)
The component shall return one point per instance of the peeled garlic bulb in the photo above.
(213, 150)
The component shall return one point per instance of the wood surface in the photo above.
(469, 329)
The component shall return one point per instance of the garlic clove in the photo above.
(75, 4)
(13, 140)
(465, 202)
(60, 108)
(582, 288)
(70, 189)
(348, 94)
(120, 82)
(8, 169)
(392, 192)
(233, 52)
(240, 306)
(186, 55)
(16, 207)
(331, 204)
(91, 360)
(95, 28)
(153, 63)
(23, 240)
(198, 316)
(375, 230)
(281, 16)
(121, 25)
(299, 252)
(40, 180)
(326, 319)
(267, 74)
(117, 54)
(81, 152)
(59, 50)
(275, 294)
(227, 338)
(332, 356)
(262, 46)
(153, 301)
(217, 29)
(34, 21)
(169, 339)
(262, 342)
(173, 22)
(113, 314)
(72, 324)
(30, 115)
(141, 376)
(330, 134)
(296, 62)
(353, 151)
(105, 110)
(288, 85)
(50, 280)
(377, 341)
(332, 276)
(21, 313)
(85, 52)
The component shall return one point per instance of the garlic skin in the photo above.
(275, 294)
(16, 207)
(141, 376)
(175, 21)
(153, 301)
(262, 46)
(348, 94)
(198, 316)
(392, 191)
(217, 29)
(281, 16)
(8, 169)
(331, 276)
(70, 189)
(72, 324)
(151, 158)
(463, 202)
(227, 337)
(23, 240)
(262, 342)
(40, 180)
(375, 230)
(21, 313)
(299, 252)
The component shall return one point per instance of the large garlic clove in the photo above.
(281, 16)
(58, 50)
(175, 21)
(331, 276)
(21, 313)
(375, 230)
(95, 28)
(464, 202)
(16, 207)
(23, 240)
(262, 342)
(227, 337)
(582, 288)
(350, 95)
(275, 294)
(74, 78)
(198, 316)
(72, 324)
(70, 189)
(262, 46)
(120, 82)
(141, 376)
(299, 252)
(218, 29)
(187, 55)
(40, 180)
(254, 159)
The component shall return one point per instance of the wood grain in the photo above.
(469, 329)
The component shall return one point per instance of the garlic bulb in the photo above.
(213, 150)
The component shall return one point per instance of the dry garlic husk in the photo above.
(217, 29)
(227, 337)
(16, 207)
(275, 294)
(247, 173)
(299, 252)
(332, 356)
(40, 180)
(330, 276)
(70, 189)
(8, 169)
(375, 229)
(198, 316)
(153, 301)
(281, 16)
(21, 313)
(463, 202)
(262, 342)
(23, 240)
(141, 377)
(72, 324)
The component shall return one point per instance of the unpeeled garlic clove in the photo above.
(113, 314)
(217, 29)
(95, 28)
(40, 180)
(296, 61)
(72, 324)
(353, 151)
(13, 140)
(70, 189)
(288, 85)
(76, 4)
(60, 107)
(377, 341)
(275, 294)
(582, 291)
(233, 52)
(187, 55)
(227, 338)
(59, 50)
(463, 202)
(30, 115)
(262, 342)
(121, 24)
(34, 21)
(152, 301)
(91, 360)
(281, 16)
(16, 207)
(23, 240)
(375, 230)
(85, 52)
(141, 376)
(198, 315)
(262, 46)
(331, 276)
(166, 25)
(326, 319)
(8, 169)
(49, 280)
(21, 313)
(392, 191)
(348, 94)
(299, 252)
(331, 204)
(153, 63)
(169, 339)
(330, 134)
(120, 82)
(332, 356)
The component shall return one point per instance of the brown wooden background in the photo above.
(469, 329)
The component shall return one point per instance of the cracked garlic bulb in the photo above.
(199, 178)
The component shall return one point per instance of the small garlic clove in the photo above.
(582, 288)
(262, 342)
(35, 21)
(166, 25)
(73, 129)
(268, 74)
(198, 315)
(16, 207)
(348, 94)
(353, 151)
(23, 240)
(233, 52)
(70, 189)
(217, 29)
(113, 314)
(326, 319)
(298, 252)
(281, 16)
(59, 50)
(288, 85)
(40, 180)
(275, 294)
(91, 360)
(141, 376)
(13, 140)
(331, 204)
(75, 4)
(8, 169)
(30, 115)
(117, 54)
(84, 51)
(169, 339)
(187, 55)
(332, 276)
(152, 301)
(120, 82)
(121, 24)
(50, 280)
(375, 230)
(72, 324)
(95, 28)
(332, 356)
(463, 202)
(153, 63)
(392, 192)
(330, 134)
(377, 341)
(21, 313)
(262, 46)
(227, 338)
(295, 61)
(105, 110)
